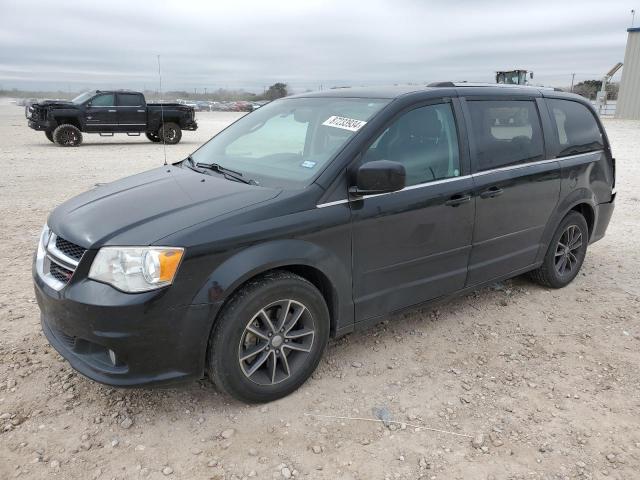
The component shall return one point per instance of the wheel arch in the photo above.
(581, 201)
(319, 266)
(589, 214)
(68, 119)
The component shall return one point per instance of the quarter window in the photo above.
(575, 127)
(505, 133)
(129, 100)
(105, 100)
(424, 140)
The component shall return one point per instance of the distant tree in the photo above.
(277, 90)
(590, 88)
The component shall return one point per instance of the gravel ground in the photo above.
(536, 383)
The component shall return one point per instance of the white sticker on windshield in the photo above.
(345, 123)
(308, 164)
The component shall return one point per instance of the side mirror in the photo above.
(380, 176)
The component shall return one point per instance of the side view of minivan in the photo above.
(314, 216)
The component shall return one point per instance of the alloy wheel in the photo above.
(68, 137)
(170, 134)
(276, 342)
(567, 250)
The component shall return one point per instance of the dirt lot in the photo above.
(544, 383)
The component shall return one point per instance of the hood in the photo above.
(55, 103)
(144, 208)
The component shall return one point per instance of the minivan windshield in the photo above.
(83, 97)
(287, 142)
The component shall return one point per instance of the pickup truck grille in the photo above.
(36, 113)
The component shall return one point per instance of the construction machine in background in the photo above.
(601, 96)
(513, 77)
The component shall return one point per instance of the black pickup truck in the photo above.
(107, 112)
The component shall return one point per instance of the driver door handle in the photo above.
(492, 192)
(457, 200)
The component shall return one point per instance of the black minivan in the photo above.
(316, 215)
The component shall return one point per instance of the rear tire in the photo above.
(170, 132)
(269, 338)
(154, 137)
(49, 135)
(67, 135)
(565, 254)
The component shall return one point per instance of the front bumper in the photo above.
(153, 343)
(40, 125)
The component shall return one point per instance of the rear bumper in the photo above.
(191, 125)
(153, 343)
(603, 217)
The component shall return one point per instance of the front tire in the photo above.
(49, 135)
(170, 132)
(154, 137)
(269, 338)
(565, 254)
(67, 135)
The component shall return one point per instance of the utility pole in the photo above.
(573, 76)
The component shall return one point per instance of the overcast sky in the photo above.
(73, 44)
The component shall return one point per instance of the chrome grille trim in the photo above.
(52, 264)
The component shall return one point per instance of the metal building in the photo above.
(629, 96)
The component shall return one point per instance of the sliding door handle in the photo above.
(457, 200)
(491, 192)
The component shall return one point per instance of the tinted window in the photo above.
(576, 127)
(287, 142)
(105, 100)
(505, 133)
(424, 140)
(129, 100)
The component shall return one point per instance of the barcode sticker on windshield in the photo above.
(345, 123)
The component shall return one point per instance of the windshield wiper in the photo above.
(226, 172)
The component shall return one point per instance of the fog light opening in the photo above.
(113, 358)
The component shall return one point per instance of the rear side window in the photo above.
(129, 100)
(506, 133)
(575, 126)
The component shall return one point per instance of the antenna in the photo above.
(164, 143)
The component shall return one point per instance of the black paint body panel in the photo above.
(372, 256)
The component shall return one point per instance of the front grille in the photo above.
(60, 273)
(70, 249)
(61, 261)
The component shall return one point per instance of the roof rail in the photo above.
(484, 84)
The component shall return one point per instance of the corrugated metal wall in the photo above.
(629, 95)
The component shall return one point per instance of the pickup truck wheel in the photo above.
(269, 338)
(170, 132)
(67, 135)
(565, 254)
(154, 137)
(49, 135)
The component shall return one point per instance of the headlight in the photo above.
(136, 269)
